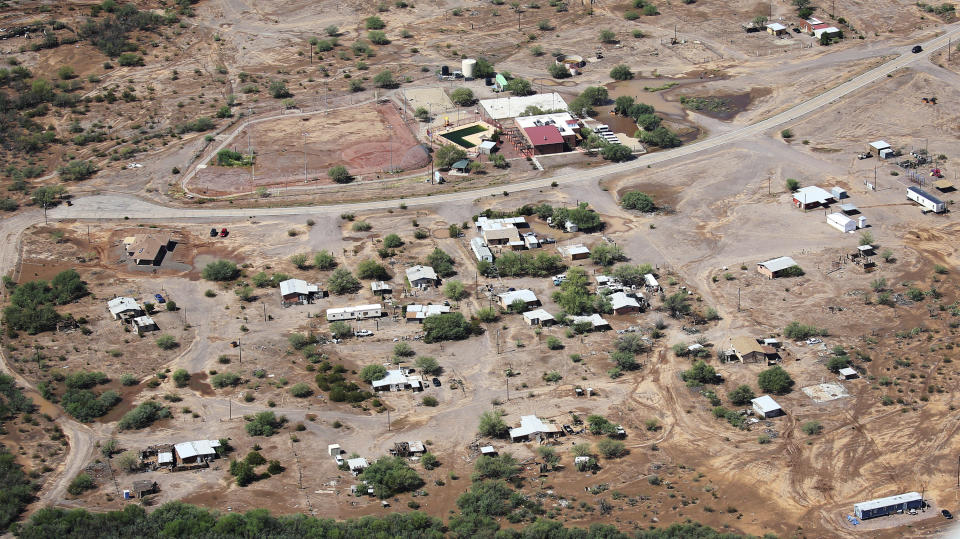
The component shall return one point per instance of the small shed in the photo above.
(334, 450)
(357, 465)
(143, 487)
(421, 276)
(839, 193)
(575, 252)
(775, 267)
(538, 317)
(877, 146)
(381, 288)
(487, 147)
(461, 166)
(764, 406)
(143, 324)
(848, 374)
(488, 450)
(841, 222)
(776, 29)
(526, 296)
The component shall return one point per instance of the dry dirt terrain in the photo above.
(720, 212)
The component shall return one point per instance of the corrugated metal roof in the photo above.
(779, 264)
(766, 403)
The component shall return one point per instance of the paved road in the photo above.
(119, 206)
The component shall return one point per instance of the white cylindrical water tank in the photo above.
(467, 67)
(862, 222)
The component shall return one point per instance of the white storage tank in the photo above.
(467, 67)
(862, 222)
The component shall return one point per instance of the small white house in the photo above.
(925, 199)
(357, 312)
(623, 304)
(480, 250)
(597, 321)
(764, 406)
(574, 252)
(532, 427)
(538, 317)
(123, 308)
(417, 313)
(334, 450)
(357, 465)
(848, 374)
(526, 296)
(398, 380)
(143, 324)
(841, 222)
(421, 276)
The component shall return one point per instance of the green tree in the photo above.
(462, 96)
(558, 71)
(167, 342)
(76, 170)
(441, 262)
(392, 241)
(447, 155)
(445, 327)
(143, 416)
(775, 380)
(299, 260)
(384, 79)
(605, 254)
(615, 152)
(741, 395)
(181, 377)
(637, 200)
(220, 270)
(373, 372)
(519, 87)
(660, 137)
(621, 72)
(389, 476)
(611, 449)
(574, 296)
(342, 282)
(630, 274)
(374, 23)
(454, 290)
(301, 390)
(607, 36)
(324, 260)
(340, 174)
(80, 484)
(340, 329)
(428, 365)
(700, 373)
(495, 467)
(677, 304)
(492, 424)
(549, 456)
(279, 90)
(371, 270)
(429, 461)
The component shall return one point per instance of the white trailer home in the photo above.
(355, 313)
(925, 199)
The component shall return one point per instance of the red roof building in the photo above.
(545, 139)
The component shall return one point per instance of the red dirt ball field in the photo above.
(368, 139)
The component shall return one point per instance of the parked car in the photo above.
(362, 333)
(436, 382)
(224, 232)
(159, 298)
(946, 514)
(213, 232)
(916, 49)
(796, 30)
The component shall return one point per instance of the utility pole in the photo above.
(304, 157)
(240, 349)
(230, 403)
(738, 299)
(388, 419)
(264, 311)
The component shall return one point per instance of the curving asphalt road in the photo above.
(119, 206)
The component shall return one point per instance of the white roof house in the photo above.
(380, 287)
(165, 457)
(841, 222)
(778, 264)
(297, 286)
(488, 450)
(847, 373)
(828, 30)
(537, 316)
(196, 448)
(765, 406)
(879, 145)
(418, 275)
(398, 380)
(511, 106)
(419, 312)
(530, 425)
(776, 27)
(574, 251)
(484, 222)
(621, 301)
(563, 121)
(334, 450)
(527, 296)
(880, 503)
(357, 465)
(595, 319)
(811, 194)
(480, 250)
(144, 323)
(355, 312)
(118, 306)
